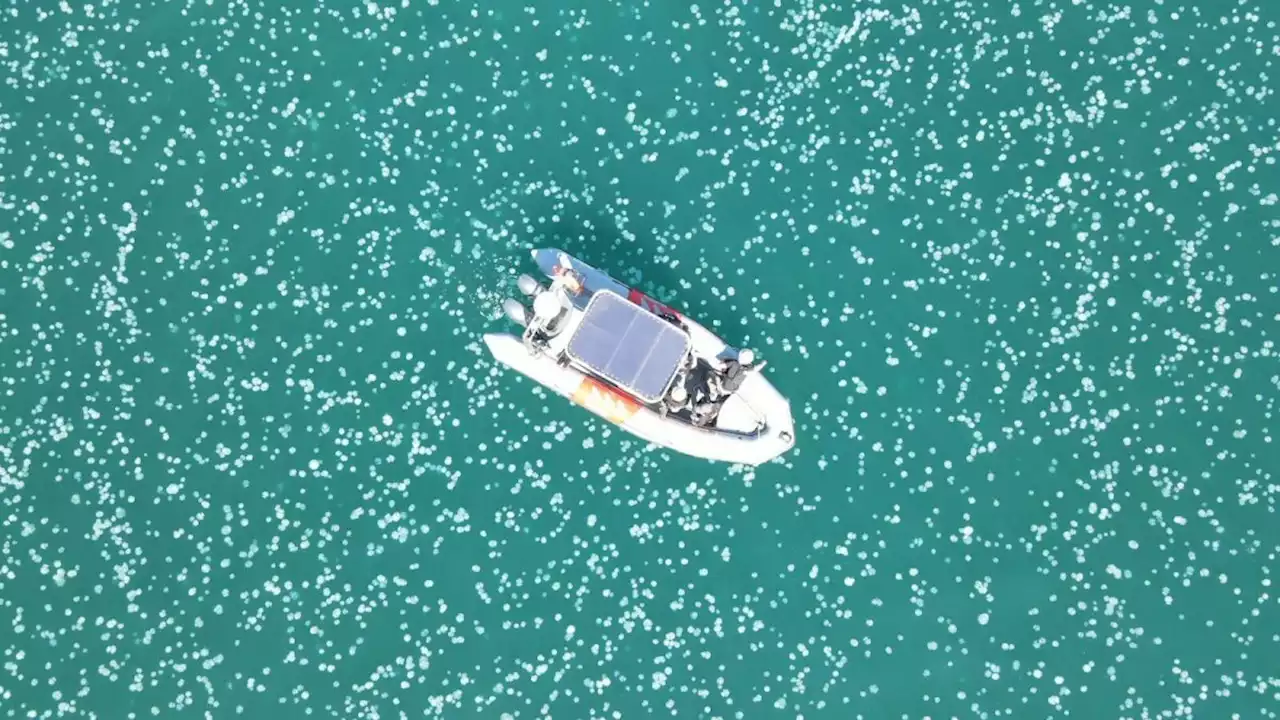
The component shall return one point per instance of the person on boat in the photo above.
(705, 409)
(571, 281)
(548, 310)
(677, 400)
(534, 341)
(568, 278)
(733, 372)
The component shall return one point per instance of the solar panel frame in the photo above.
(629, 346)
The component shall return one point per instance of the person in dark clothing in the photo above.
(705, 409)
(735, 372)
(731, 379)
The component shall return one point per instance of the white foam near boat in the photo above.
(640, 364)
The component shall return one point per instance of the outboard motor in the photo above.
(529, 286)
(517, 312)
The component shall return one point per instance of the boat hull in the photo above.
(757, 395)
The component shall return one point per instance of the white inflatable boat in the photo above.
(640, 364)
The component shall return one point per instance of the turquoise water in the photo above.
(1015, 264)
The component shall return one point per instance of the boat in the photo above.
(640, 364)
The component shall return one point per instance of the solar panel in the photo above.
(629, 346)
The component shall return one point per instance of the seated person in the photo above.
(704, 413)
(548, 319)
(678, 399)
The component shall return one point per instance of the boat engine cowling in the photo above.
(516, 311)
(528, 285)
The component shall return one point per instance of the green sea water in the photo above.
(1016, 265)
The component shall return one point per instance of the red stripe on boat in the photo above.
(651, 305)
